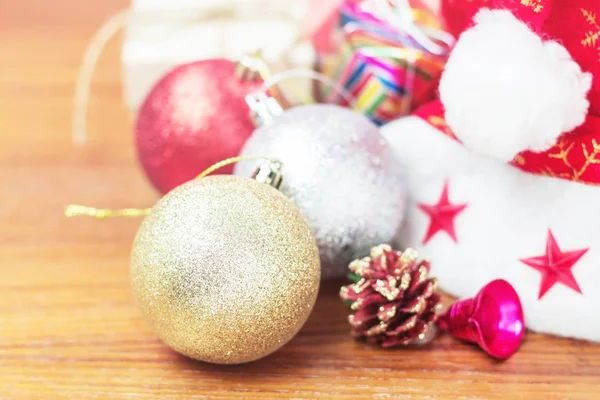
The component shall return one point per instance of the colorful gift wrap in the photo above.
(389, 71)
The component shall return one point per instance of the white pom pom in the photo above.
(505, 90)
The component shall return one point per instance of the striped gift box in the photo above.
(389, 72)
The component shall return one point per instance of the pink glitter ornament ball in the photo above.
(195, 116)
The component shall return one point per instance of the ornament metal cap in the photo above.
(263, 108)
(269, 172)
(493, 319)
(251, 67)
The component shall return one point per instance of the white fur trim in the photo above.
(507, 218)
(505, 90)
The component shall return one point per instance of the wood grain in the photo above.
(68, 325)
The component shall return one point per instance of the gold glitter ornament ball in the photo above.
(225, 269)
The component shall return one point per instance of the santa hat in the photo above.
(519, 78)
(522, 85)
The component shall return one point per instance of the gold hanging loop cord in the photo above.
(75, 210)
(229, 161)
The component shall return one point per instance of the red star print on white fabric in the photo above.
(442, 215)
(555, 266)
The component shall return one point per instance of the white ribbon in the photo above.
(399, 14)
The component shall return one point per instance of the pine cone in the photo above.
(393, 300)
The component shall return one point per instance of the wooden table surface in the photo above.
(68, 325)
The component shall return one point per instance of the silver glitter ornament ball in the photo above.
(342, 175)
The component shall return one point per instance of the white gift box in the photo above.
(163, 34)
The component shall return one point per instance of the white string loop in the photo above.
(310, 74)
(179, 19)
(86, 72)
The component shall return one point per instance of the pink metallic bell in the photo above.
(493, 319)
